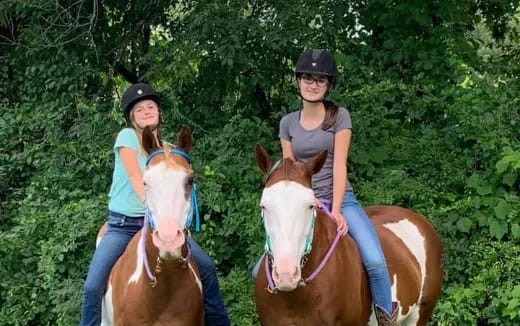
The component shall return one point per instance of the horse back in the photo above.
(413, 251)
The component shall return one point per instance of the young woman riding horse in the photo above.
(141, 108)
(319, 125)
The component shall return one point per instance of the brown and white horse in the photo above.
(174, 295)
(339, 294)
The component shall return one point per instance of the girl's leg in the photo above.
(215, 312)
(364, 234)
(111, 247)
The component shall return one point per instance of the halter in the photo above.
(308, 240)
(271, 288)
(194, 204)
(148, 219)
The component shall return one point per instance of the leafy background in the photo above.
(432, 86)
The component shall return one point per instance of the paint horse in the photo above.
(156, 281)
(328, 285)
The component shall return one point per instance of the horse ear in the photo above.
(263, 159)
(315, 164)
(185, 139)
(149, 141)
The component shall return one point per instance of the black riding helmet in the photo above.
(135, 93)
(317, 62)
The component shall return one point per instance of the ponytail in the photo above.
(331, 114)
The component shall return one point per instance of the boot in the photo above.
(382, 317)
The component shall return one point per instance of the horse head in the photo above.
(289, 211)
(168, 180)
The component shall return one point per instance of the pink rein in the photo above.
(270, 283)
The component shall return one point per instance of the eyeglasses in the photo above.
(320, 81)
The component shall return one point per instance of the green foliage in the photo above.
(484, 287)
(432, 87)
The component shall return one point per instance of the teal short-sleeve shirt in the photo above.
(123, 198)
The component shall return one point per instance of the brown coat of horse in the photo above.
(177, 298)
(340, 295)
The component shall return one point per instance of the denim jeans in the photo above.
(364, 234)
(121, 229)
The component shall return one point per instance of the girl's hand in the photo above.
(341, 222)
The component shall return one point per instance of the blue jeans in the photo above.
(364, 234)
(121, 229)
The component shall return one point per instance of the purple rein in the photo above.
(271, 288)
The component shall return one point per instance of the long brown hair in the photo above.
(331, 114)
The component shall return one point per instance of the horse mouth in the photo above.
(286, 288)
(170, 254)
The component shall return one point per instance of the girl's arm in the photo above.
(339, 172)
(129, 159)
(287, 149)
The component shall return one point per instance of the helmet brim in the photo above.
(131, 104)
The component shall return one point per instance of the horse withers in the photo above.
(312, 276)
(156, 280)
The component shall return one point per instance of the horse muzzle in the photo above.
(286, 277)
(169, 242)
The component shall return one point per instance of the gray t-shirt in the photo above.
(308, 143)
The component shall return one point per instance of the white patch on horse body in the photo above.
(139, 265)
(288, 216)
(107, 311)
(414, 241)
(197, 279)
(412, 316)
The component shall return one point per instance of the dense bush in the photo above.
(433, 91)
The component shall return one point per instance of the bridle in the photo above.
(149, 222)
(322, 204)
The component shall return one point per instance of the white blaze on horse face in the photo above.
(168, 195)
(288, 213)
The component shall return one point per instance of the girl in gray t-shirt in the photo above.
(322, 124)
